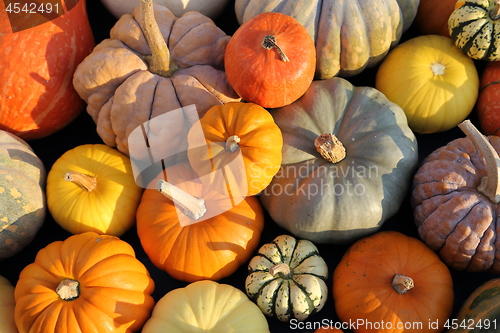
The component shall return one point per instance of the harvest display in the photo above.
(250, 166)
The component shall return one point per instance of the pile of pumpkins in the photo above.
(205, 139)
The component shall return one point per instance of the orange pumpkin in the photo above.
(86, 283)
(488, 103)
(196, 233)
(233, 137)
(40, 52)
(432, 17)
(270, 60)
(328, 330)
(393, 279)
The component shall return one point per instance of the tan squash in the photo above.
(140, 73)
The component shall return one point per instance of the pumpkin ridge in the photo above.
(311, 254)
(470, 41)
(310, 303)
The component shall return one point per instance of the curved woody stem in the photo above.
(159, 61)
(191, 206)
(490, 185)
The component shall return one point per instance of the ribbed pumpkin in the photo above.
(153, 63)
(456, 196)
(392, 283)
(350, 35)
(432, 17)
(480, 312)
(488, 101)
(436, 85)
(474, 25)
(22, 194)
(194, 232)
(85, 283)
(92, 188)
(287, 279)
(244, 131)
(348, 158)
(204, 307)
(7, 305)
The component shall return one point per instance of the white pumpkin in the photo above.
(210, 8)
(287, 279)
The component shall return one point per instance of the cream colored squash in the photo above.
(210, 8)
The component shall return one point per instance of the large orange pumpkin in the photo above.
(390, 282)
(86, 283)
(40, 53)
(204, 234)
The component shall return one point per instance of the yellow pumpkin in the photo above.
(206, 306)
(431, 80)
(7, 305)
(92, 188)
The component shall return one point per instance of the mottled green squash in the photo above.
(480, 312)
(22, 197)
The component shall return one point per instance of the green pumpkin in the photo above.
(480, 312)
(320, 196)
(350, 35)
(22, 197)
(474, 27)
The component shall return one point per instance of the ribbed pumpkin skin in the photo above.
(206, 306)
(350, 35)
(298, 295)
(114, 288)
(482, 307)
(488, 101)
(437, 85)
(474, 31)
(452, 217)
(7, 304)
(362, 285)
(22, 194)
(318, 200)
(209, 249)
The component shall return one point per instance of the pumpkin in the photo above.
(153, 63)
(350, 36)
(487, 105)
(382, 285)
(345, 147)
(206, 306)
(22, 194)
(237, 129)
(40, 53)
(194, 232)
(7, 304)
(432, 17)
(85, 283)
(287, 279)
(455, 198)
(210, 8)
(480, 311)
(437, 85)
(92, 188)
(270, 60)
(473, 26)
(328, 330)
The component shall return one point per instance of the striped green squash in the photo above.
(480, 311)
(474, 26)
(287, 279)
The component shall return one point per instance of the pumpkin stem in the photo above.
(495, 12)
(330, 147)
(86, 182)
(232, 143)
(402, 283)
(269, 42)
(68, 289)
(159, 60)
(490, 185)
(282, 269)
(191, 206)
